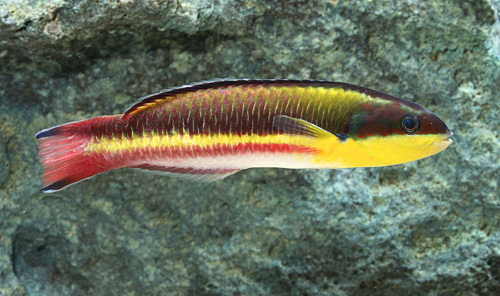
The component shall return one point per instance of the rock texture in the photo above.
(427, 228)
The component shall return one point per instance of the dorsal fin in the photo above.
(169, 94)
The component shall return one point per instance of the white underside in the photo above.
(240, 161)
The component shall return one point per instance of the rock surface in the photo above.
(430, 227)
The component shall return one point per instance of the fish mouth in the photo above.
(447, 138)
(445, 142)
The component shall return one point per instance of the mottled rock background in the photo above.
(430, 227)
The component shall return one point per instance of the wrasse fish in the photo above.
(210, 130)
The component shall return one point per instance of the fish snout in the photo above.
(445, 142)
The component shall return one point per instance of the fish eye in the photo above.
(410, 124)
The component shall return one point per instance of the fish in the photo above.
(209, 130)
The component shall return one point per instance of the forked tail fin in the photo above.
(62, 154)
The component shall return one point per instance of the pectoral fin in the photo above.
(297, 126)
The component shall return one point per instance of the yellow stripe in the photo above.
(115, 145)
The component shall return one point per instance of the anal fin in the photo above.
(187, 173)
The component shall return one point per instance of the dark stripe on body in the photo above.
(235, 110)
(249, 106)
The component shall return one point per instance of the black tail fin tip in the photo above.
(48, 132)
(56, 186)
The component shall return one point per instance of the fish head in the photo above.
(398, 131)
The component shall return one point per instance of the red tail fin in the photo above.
(62, 154)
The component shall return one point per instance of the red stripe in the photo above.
(125, 158)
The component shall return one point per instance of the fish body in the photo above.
(209, 130)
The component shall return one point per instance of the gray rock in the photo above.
(426, 228)
(4, 160)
